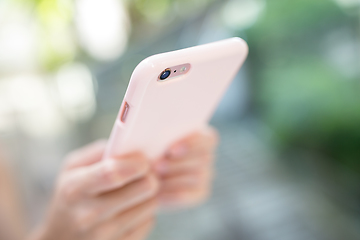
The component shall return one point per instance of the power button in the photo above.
(125, 112)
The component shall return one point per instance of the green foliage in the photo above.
(54, 20)
(156, 11)
(300, 95)
(153, 10)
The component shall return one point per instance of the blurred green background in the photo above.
(305, 61)
(65, 65)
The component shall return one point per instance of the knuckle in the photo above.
(107, 173)
(68, 192)
(149, 185)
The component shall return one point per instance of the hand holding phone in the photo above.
(186, 170)
(168, 103)
(94, 199)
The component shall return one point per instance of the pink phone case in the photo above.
(155, 114)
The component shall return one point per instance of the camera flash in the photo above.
(183, 69)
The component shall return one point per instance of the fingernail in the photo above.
(178, 151)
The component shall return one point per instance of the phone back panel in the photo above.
(162, 112)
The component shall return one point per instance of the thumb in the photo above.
(85, 156)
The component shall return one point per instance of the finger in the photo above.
(191, 180)
(104, 176)
(113, 203)
(183, 197)
(140, 232)
(189, 163)
(125, 222)
(202, 141)
(87, 155)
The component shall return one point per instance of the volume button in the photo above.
(125, 112)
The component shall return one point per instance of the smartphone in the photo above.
(171, 95)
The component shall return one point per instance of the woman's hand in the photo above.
(186, 170)
(117, 198)
(112, 199)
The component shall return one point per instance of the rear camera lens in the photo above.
(165, 74)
